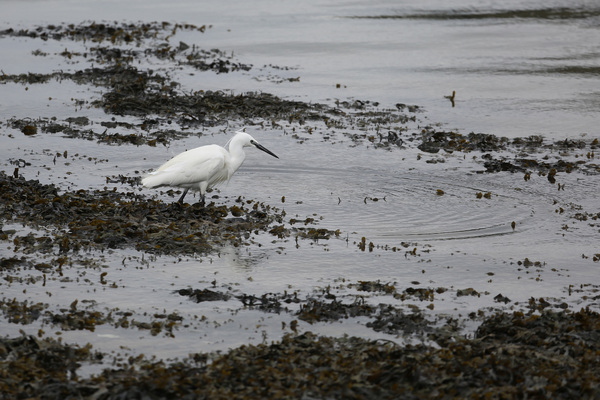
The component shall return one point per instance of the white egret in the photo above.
(203, 167)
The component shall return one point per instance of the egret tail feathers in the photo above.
(151, 181)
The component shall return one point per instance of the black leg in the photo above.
(202, 199)
(183, 195)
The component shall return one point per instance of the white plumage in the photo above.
(203, 167)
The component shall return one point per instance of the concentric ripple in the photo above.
(406, 206)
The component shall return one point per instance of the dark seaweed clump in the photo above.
(432, 141)
(106, 219)
(154, 96)
(512, 356)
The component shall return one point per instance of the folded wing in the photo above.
(197, 169)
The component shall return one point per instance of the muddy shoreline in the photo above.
(542, 350)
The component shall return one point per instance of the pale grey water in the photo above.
(528, 74)
(513, 76)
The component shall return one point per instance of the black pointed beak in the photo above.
(263, 148)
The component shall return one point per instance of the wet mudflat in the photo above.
(286, 290)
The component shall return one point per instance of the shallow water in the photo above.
(514, 74)
(517, 69)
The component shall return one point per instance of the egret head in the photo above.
(246, 140)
